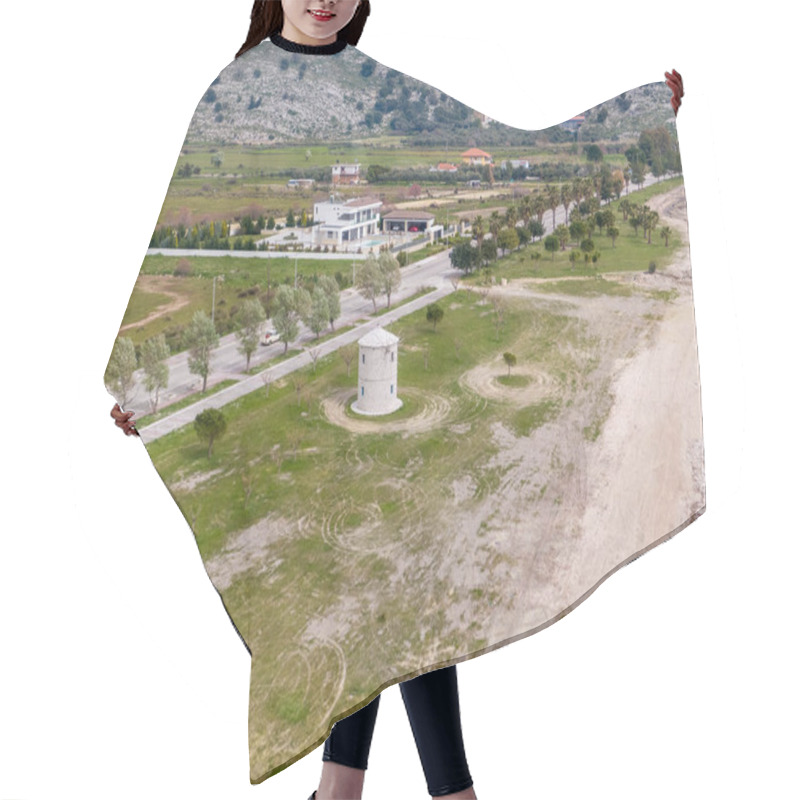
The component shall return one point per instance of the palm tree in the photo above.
(666, 232)
(566, 199)
(587, 188)
(526, 209)
(649, 221)
(539, 206)
(553, 199)
(511, 216)
(576, 191)
(479, 229)
(562, 231)
(573, 257)
(597, 180)
(653, 222)
(495, 223)
(635, 214)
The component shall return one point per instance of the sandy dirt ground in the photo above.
(641, 480)
(617, 470)
(661, 481)
(157, 284)
(580, 506)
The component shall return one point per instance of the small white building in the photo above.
(516, 163)
(377, 373)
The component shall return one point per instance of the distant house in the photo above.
(575, 123)
(300, 183)
(345, 173)
(444, 167)
(516, 163)
(476, 156)
(339, 221)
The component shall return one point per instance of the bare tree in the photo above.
(314, 353)
(484, 286)
(277, 456)
(499, 314)
(348, 354)
(298, 384)
(247, 484)
(295, 437)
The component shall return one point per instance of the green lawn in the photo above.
(242, 278)
(165, 411)
(329, 505)
(141, 304)
(630, 252)
(294, 427)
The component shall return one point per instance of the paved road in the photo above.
(228, 363)
(255, 382)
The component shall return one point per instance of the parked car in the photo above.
(270, 337)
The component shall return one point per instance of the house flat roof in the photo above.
(353, 202)
(401, 213)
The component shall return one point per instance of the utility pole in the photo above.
(213, 297)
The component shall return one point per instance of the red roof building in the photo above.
(476, 156)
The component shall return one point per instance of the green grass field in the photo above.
(341, 519)
(257, 424)
(239, 275)
(630, 252)
(335, 503)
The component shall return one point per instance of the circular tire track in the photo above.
(434, 409)
(372, 534)
(313, 669)
(482, 380)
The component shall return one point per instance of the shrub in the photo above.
(183, 268)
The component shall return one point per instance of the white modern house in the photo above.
(340, 221)
(377, 374)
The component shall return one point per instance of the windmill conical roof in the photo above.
(378, 337)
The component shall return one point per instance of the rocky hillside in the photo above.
(271, 96)
(626, 115)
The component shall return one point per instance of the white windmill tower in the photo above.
(377, 373)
